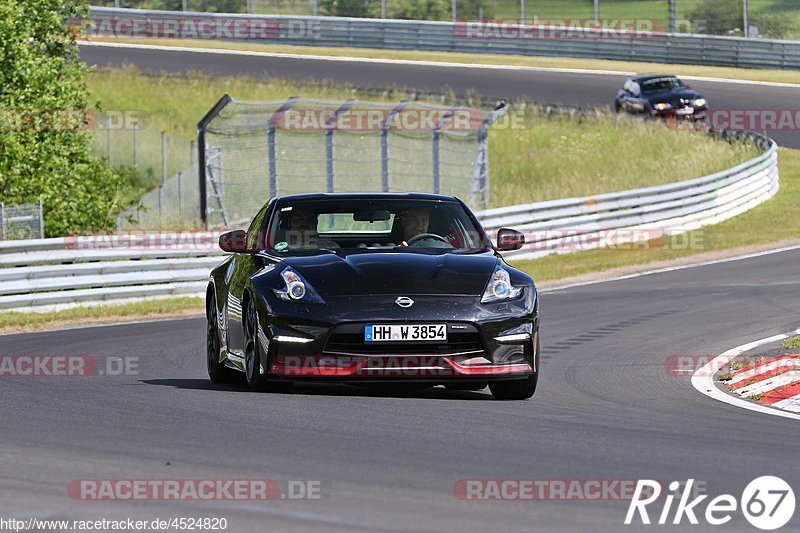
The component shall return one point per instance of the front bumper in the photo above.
(484, 342)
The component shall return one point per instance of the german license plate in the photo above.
(405, 332)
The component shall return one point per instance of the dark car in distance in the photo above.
(387, 290)
(660, 95)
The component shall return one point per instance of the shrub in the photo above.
(44, 146)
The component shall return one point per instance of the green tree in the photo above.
(44, 148)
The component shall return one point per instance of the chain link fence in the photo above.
(253, 151)
(24, 221)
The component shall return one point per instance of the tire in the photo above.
(217, 371)
(617, 107)
(256, 381)
(518, 389)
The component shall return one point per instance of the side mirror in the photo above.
(509, 239)
(234, 241)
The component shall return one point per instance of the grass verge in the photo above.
(534, 157)
(14, 322)
(794, 342)
(779, 76)
(770, 222)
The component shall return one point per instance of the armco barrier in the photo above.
(460, 37)
(53, 273)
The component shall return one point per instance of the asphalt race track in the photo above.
(547, 87)
(606, 409)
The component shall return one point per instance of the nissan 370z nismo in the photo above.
(377, 289)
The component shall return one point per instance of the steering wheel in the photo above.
(416, 238)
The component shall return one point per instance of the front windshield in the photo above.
(662, 85)
(376, 225)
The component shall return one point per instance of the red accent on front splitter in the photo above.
(489, 370)
(314, 366)
(781, 393)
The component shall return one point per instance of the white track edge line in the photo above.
(446, 64)
(703, 379)
(671, 269)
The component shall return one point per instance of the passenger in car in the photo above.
(302, 231)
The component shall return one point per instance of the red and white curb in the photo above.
(776, 382)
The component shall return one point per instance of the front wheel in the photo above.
(257, 381)
(217, 371)
(518, 389)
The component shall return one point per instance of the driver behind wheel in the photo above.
(415, 223)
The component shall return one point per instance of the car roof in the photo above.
(645, 77)
(366, 196)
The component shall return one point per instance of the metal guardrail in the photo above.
(52, 273)
(476, 39)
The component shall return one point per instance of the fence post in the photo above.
(108, 142)
(201, 154)
(180, 195)
(135, 146)
(163, 157)
(330, 126)
(385, 185)
(2, 222)
(522, 13)
(316, 7)
(453, 9)
(41, 219)
(249, 7)
(185, 6)
(437, 134)
(160, 202)
(272, 158)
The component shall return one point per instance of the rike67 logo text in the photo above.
(767, 502)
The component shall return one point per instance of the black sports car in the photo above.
(660, 95)
(377, 289)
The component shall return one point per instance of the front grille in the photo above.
(353, 343)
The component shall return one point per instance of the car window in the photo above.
(661, 85)
(376, 225)
(255, 231)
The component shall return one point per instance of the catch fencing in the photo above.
(54, 273)
(250, 151)
(475, 37)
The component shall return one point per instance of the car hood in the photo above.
(674, 98)
(400, 273)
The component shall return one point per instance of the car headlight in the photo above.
(662, 106)
(500, 288)
(297, 289)
(700, 102)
